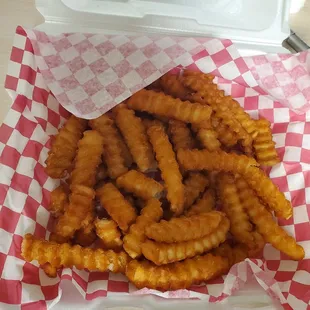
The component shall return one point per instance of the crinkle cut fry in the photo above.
(140, 185)
(134, 132)
(151, 213)
(163, 253)
(240, 225)
(217, 100)
(180, 135)
(60, 157)
(81, 203)
(164, 105)
(168, 166)
(108, 233)
(65, 255)
(264, 146)
(194, 184)
(205, 204)
(180, 275)
(268, 192)
(219, 161)
(86, 235)
(172, 86)
(112, 145)
(87, 160)
(120, 210)
(184, 228)
(59, 200)
(265, 224)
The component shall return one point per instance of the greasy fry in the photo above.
(60, 157)
(240, 225)
(59, 200)
(151, 213)
(140, 185)
(65, 255)
(120, 210)
(108, 233)
(180, 135)
(81, 203)
(163, 105)
(164, 253)
(87, 159)
(219, 161)
(168, 166)
(112, 145)
(205, 204)
(265, 224)
(135, 135)
(172, 86)
(178, 275)
(194, 184)
(264, 146)
(268, 192)
(184, 228)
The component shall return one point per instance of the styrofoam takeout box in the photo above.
(256, 27)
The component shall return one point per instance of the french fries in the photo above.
(163, 105)
(141, 186)
(184, 228)
(168, 166)
(120, 210)
(113, 152)
(162, 164)
(65, 255)
(165, 253)
(134, 133)
(151, 213)
(60, 157)
(88, 158)
(178, 275)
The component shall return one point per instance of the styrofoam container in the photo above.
(255, 26)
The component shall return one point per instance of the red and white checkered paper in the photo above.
(35, 115)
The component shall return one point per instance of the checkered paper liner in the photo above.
(35, 115)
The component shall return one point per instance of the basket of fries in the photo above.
(183, 179)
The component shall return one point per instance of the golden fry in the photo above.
(135, 135)
(49, 270)
(180, 275)
(81, 203)
(219, 161)
(109, 234)
(265, 224)
(172, 86)
(264, 146)
(140, 185)
(225, 135)
(209, 139)
(184, 228)
(65, 255)
(218, 101)
(180, 135)
(120, 210)
(112, 145)
(168, 166)
(240, 225)
(151, 213)
(164, 253)
(59, 200)
(268, 192)
(195, 184)
(60, 157)
(163, 105)
(87, 160)
(205, 204)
